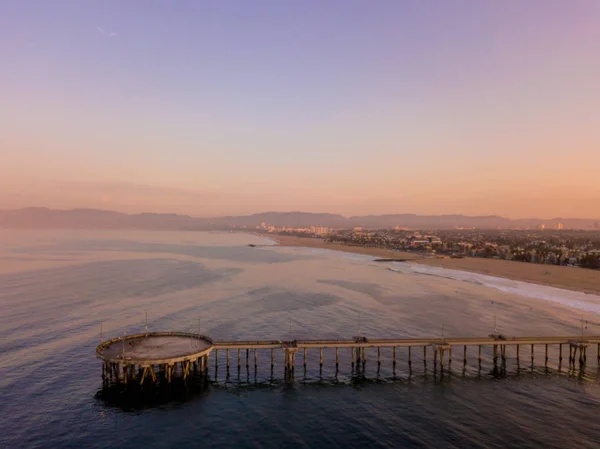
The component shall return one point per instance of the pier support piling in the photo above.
(560, 357)
(289, 358)
(480, 354)
(337, 357)
(144, 372)
(570, 354)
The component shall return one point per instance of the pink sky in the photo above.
(408, 107)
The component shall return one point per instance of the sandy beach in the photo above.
(571, 278)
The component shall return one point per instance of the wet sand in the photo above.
(309, 242)
(571, 278)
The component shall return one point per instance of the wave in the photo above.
(578, 300)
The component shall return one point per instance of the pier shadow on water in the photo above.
(133, 398)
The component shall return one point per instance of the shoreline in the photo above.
(568, 278)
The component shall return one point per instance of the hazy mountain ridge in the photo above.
(40, 217)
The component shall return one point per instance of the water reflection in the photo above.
(162, 395)
(133, 397)
(236, 253)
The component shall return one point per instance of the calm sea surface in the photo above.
(57, 287)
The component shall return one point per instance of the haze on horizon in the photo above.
(233, 107)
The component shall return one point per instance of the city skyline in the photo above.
(230, 108)
(39, 216)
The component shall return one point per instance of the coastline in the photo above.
(569, 278)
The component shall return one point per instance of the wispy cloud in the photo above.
(107, 33)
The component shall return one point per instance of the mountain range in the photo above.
(41, 217)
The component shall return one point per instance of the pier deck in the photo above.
(402, 342)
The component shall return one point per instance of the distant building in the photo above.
(320, 230)
(559, 226)
(596, 225)
(420, 244)
(542, 227)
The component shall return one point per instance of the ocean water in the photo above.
(60, 289)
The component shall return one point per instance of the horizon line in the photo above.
(292, 212)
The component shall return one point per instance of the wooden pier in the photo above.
(439, 347)
(163, 355)
(140, 357)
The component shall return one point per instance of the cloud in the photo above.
(107, 33)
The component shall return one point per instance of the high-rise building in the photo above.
(559, 226)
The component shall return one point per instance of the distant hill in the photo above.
(293, 219)
(41, 217)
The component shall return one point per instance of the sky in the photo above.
(223, 107)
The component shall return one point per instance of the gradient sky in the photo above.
(352, 107)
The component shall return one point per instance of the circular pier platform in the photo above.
(161, 349)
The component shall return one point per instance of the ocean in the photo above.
(61, 292)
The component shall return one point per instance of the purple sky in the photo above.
(230, 107)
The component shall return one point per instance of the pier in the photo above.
(154, 356)
(141, 356)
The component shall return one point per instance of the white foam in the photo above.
(577, 300)
(569, 298)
